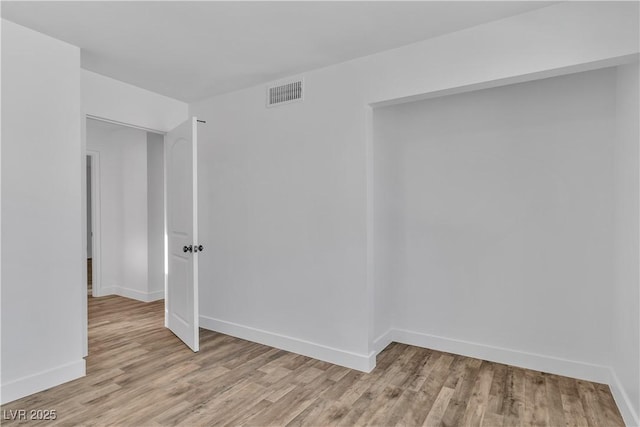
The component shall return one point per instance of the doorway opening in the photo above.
(90, 222)
(131, 190)
(125, 211)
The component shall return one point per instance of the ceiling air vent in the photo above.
(284, 93)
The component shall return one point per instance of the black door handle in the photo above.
(197, 248)
(187, 248)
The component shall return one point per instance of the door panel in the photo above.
(182, 232)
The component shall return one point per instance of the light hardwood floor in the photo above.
(140, 374)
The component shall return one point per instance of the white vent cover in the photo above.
(284, 93)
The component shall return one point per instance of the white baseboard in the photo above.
(25, 386)
(537, 362)
(103, 291)
(360, 362)
(382, 341)
(155, 296)
(131, 293)
(630, 416)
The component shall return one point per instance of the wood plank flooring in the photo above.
(140, 374)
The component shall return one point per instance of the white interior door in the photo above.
(181, 288)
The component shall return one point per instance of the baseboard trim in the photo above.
(348, 359)
(621, 397)
(40, 381)
(131, 293)
(382, 341)
(537, 362)
(155, 296)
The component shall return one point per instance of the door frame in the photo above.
(84, 320)
(96, 260)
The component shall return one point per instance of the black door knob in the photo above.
(187, 248)
(200, 248)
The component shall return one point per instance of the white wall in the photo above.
(123, 209)
(155, 211)
(281, 221)
(112, 99)
(555, 40)
(626, 283)
(42, 242)
(283, 191)
(499, 218)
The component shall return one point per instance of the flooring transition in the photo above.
(139, 373)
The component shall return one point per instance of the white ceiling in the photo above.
(193, 50)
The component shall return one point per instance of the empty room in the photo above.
(320, 213)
